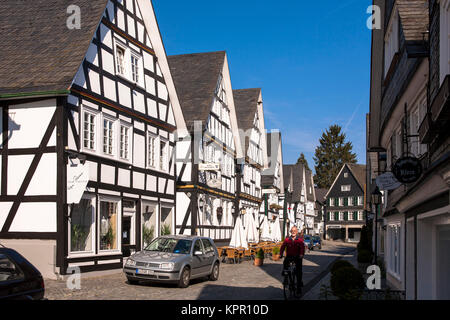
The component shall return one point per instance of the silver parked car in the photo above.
(174, 259)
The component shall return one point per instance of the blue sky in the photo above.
(311, 59)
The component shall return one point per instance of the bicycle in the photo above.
(290, 281)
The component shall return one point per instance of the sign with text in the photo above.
(387, 181)
(209, 166)
(269, 191)
(77, 180)
(407, 169)
(214, 183)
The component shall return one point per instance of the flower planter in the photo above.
(275, 257)
(259, 262)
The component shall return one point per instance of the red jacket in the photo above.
(294, 247)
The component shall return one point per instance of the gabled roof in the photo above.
(196, 77)
(414, 18)
(309, 184)
(359, 172)
(246, 103)
(320, 194)
(297, 176)
(39, 53)
(267, 177)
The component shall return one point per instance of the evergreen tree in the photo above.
(331, 154)
(303, 160)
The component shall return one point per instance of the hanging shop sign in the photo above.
(387, 181)
(269, 191)
(407, 169)
(77, 180)
(214, 183)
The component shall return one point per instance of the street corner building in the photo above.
(206, 158)
(345, 204)
(409, 143)
(89, 119)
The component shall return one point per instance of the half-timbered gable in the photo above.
(249, 106)
(113, 124)
(206, 194)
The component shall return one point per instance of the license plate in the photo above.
(144, 271)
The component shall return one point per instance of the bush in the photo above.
(260, 254)
(347, 283)
(276, 250)
(340, 264)
(364, 256)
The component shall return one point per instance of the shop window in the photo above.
(108, 225)
(148, 221)
(81, 226)
(166, 221)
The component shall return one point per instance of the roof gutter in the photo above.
(9, 96)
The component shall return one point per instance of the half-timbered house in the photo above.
(206, 161)
(88, 123)
(249, 107)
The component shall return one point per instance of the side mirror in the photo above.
(198, 253)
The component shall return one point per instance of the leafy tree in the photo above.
(303, 160)
(331, 154)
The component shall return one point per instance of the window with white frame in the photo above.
(331, 216)
(350, 216)
(345, 187)
(129, 63)
(345, 174)
(360, 200)
(124, 141)
(341, 216)
(163, 154)
(444, 42)
(394, 245)
(152, 144)
(341, 201)
(350, 201)
(360, 216)
(89, 130)
(108, 136)
(391, 41)
(109, 214)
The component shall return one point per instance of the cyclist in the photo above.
(295, 250)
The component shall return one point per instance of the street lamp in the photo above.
(376, 200)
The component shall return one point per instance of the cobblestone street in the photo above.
(241, 281)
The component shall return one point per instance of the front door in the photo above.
(126, 236)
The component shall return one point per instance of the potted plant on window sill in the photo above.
(259, 258)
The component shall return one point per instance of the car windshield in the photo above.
(170, 245)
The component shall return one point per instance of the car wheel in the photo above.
(215, 272)
(132, 281)
(184, 278)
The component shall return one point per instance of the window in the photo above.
(331, 216)
(151, 149)
(163, 154)
(394, 245)
(198, 246)
(166, 220)
(108, 136)
(129, 63)
(81, 226)
(124, 142)
(135, 69)
(149, 219)
(360, 215)
(120, 60)
(360, 200)
(109, 225)
(341, 202)
(341, 216)
(89, 130)
(345, 174)
(350, 201)
(350, 216)
(391, 43)
(444, 40)
(345, 188)
(9, 270)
